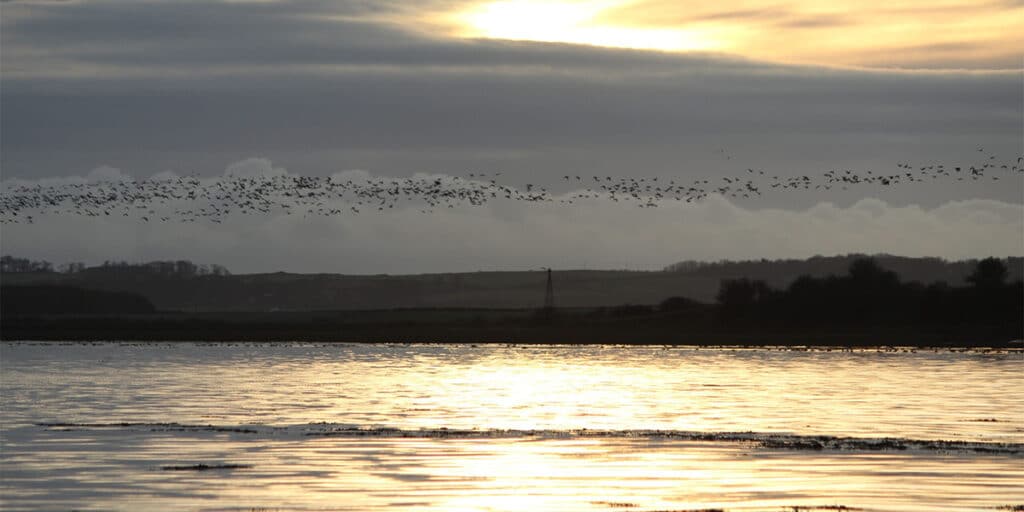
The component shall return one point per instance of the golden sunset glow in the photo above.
(903, 33)
(573, 22)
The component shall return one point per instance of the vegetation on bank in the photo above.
(867, 306)
(190, 287)
(176, 269)
(870, 294)
(67, 300)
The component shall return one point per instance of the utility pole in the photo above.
(549, 295)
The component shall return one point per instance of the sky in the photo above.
(534, 90)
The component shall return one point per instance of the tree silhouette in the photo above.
(742, 296)
(990, 273)
(866, 273)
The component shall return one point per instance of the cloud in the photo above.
(510, 235)
(106, 173)
(319, 86)
(972, 34)
(254, 168)
(101, 174)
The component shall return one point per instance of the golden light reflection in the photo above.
(899, 33)
(287, 392)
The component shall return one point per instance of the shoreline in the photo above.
(390, 328)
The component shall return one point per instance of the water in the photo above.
(431, 427)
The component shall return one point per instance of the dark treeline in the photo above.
(13, 264)
(868, 305)
(178, 268)
(186, 286)
(672, 306)
(781, 272)
(872, 295)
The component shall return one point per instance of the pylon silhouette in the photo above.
(549, 294)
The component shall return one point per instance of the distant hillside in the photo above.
(182, 287)
(780, 273)
(295, 292)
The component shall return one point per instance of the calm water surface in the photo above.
(356, 427)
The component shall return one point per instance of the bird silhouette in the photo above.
(191, 199)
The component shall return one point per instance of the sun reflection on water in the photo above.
(256, 390)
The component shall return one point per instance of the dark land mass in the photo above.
(185, 286)
(18, 301)
(869, 305)
(494, 326)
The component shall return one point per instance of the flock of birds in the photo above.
(191, 199)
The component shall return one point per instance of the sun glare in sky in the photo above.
(574, 22)
(901, 33)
